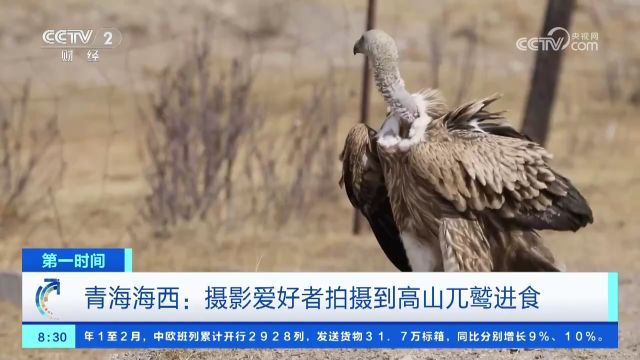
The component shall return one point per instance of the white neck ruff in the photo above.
(389, 135)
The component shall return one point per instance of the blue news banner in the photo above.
(326, 335)
(90, 298)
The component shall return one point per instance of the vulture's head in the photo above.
(376, 44)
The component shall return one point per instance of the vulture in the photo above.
(452, 190)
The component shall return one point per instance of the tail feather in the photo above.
(528, 253)
(533, 262)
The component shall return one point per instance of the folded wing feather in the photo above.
(363, 181)
(474, 159)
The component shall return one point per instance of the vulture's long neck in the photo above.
(390, 84)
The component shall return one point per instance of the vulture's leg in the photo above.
(464, 246)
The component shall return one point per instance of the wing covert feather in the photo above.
(477, 170)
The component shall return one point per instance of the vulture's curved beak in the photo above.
(357, 48)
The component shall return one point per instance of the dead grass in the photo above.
(596, 139)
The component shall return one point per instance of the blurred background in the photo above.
(209, 139)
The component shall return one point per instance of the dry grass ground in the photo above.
(595, 138)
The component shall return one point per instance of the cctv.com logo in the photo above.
(563, 40)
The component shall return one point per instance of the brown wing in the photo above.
(363, 181)
(477, 162)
